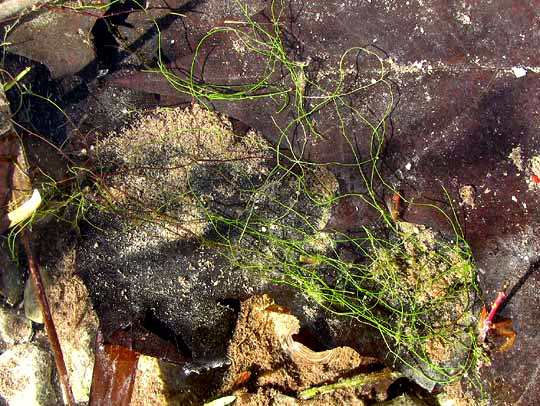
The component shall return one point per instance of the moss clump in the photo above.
(415, 287)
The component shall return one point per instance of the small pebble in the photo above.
(519, 72)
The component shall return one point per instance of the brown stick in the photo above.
(47, 317)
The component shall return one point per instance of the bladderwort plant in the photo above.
(416, 287)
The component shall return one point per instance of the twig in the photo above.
(47, 317)
(494, 308)
(353, 382)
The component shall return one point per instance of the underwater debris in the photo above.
(25, 210)
(354, 382)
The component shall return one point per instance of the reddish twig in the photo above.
(47, 317)
(488, 322)
(46, 141)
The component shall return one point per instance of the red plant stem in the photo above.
(494, 308)
(47, 318)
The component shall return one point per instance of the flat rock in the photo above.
(59, 40)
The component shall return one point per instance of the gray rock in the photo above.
(31, 303)
(25, 376)
(14, 328)
(76, 325)
(11, 277)
(75, 322)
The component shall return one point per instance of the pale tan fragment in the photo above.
(25, 210)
